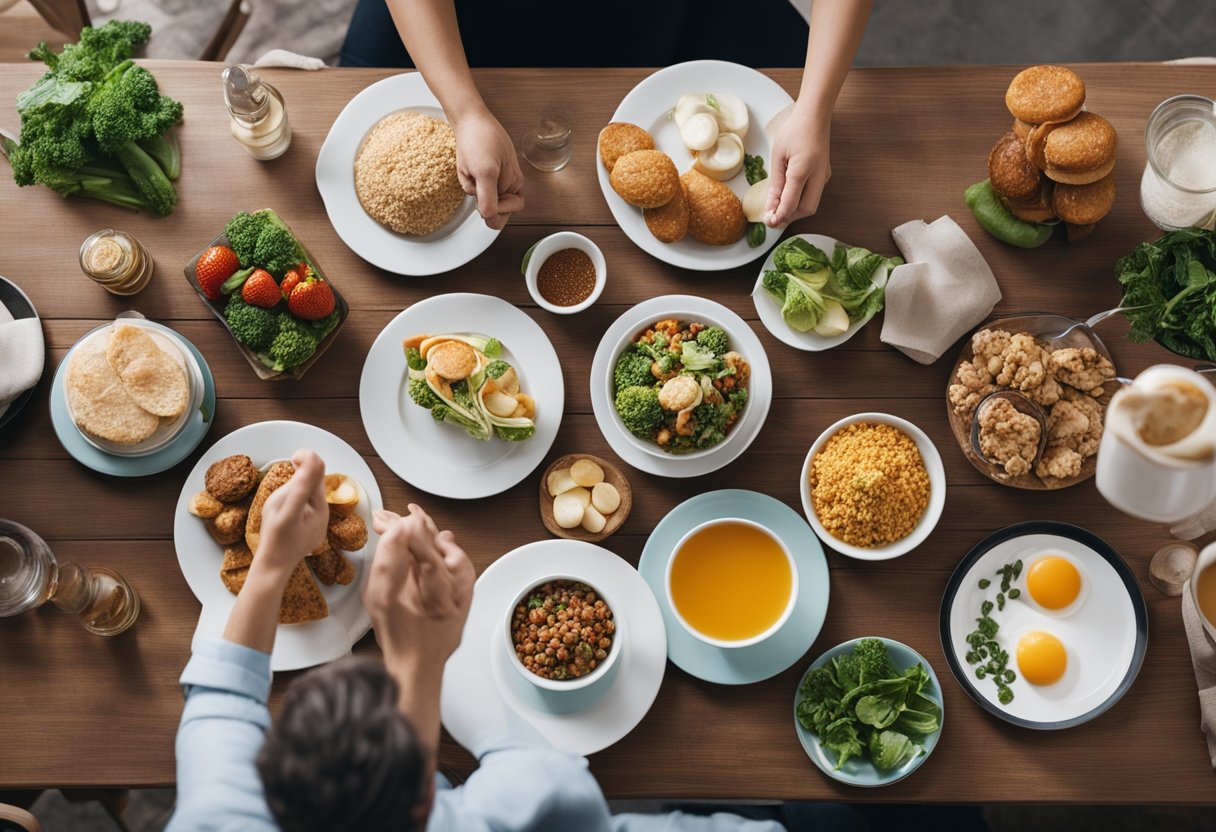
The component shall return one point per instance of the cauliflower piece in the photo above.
(680, 393)
(1058, 462)
(989, 346)
(1008, 437)
(1083, 368)
(1024, 366)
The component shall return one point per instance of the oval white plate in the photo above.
(769, 309)
(647, 105)
(464, 236)
(296, 646)
(439, 458)
(602, 714)
(743, 340)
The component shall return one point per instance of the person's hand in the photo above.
(419, 589)
(488, 168)
(800, 166)
(295, 516)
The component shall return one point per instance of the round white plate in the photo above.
(463, 237)
(656, 461)
(647, 106)
(769, 308)
(440, 458)
(584, 721)
(1105, 636)
(296, 646)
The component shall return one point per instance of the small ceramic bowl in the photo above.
(564, 685)
(746, 642)
(552, 244)
(928, 520)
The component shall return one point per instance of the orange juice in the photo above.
(1205, 592)
(731, 581)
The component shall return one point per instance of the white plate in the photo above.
(769, 309)
(1104, 635)
(647, 106)
(439, 458)
(296, 646)
(600, 715)
(633, 450)
(464, 236)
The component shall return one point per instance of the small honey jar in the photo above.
(116, 261)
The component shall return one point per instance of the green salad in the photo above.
(1169, 292)
(859, 705)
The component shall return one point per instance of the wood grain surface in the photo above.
(78, 710)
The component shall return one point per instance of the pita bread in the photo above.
(99, 403)
(302, 600)
(155, 381)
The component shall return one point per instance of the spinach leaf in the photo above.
(841, 737)
(890, 749)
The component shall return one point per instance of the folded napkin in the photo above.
(1195, 526)
(1203, 657)
(281, 57)
(943, 290)
(21, 356)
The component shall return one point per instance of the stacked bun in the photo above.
(1056, 161)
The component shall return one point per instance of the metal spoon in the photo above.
(1051, 337)
(1023, 405)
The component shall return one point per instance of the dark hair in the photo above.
(341, 756)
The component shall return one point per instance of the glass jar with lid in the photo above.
(1178, 188)
(116, 261)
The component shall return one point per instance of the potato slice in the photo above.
(593, 521)
(605, 498)
(586, 473)
(560, 482)
(583, 495)
(568, 510)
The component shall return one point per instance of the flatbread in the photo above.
(302, 600)
(278, 474)
(155, 381)
(235, 567)
(100, 405)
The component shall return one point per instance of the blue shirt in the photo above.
(225, 720)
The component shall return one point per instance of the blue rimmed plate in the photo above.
(1104, 633)
(91, 456)
(860, 771)
(741, 665)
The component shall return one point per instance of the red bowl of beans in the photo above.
(563, 634)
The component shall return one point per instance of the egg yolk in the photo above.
(1041, 658)
(1053, 582)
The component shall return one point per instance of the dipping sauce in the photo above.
(566, 278)
(731, 581)
(1205, 592)
(116, 261)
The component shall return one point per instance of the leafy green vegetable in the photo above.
(805, 278)
(999, 221)
(414, 359)
(696, 357)
(985, 650)
(1169, 292)
(753, 168)
(842, 737)
(757, 233)
(890, 749)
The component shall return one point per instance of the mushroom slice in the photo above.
(499, 404)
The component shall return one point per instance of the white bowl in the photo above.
(928, 520)
(746, 642)
(553, 244)
(564, 684)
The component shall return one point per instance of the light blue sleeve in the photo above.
(223, 724)
(680, 822)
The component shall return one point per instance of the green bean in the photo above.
(999, 222)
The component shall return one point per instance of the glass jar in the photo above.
(1178, 188)
(116, 261)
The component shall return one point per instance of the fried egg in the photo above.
(1041, 657)
(1054, 583)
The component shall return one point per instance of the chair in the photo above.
(13, 819)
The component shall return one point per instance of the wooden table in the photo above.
(78, 710)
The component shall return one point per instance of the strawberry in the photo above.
(260, 289)
(216, 265)
(292, 278)
(311, 299)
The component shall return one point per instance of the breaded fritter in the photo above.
(669, 223)
(232, 478)
(715, 214)
(347, 533)
(204, 505)
(645, 178)
(619, 138)
(230, 522)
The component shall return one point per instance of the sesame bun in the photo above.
(1081, 151)
(1021, 129)
(1084, 204)
(1036, 144)
(1011, 173)
(1045, 93)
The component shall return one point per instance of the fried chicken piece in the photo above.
(1087, 443)
(231, 521)
(989, 346)
(1008, 437)
(1083, 368)
(232, 478)
(1058, 462)
(204, 505)
(1023, 363)
(1047, 393)
(974, 382)
(347, 533)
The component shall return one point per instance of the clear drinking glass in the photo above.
(98, 596)
(1178, 188)
(549, 145)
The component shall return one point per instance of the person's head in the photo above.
(341, 756)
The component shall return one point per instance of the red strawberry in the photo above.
(216, 265)
(311, 299)
(292, 278)
(260, 289)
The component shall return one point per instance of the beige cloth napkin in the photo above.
(943, 290)
(1203, 656)
(21, 356)
(291, 60)
(1195, 526)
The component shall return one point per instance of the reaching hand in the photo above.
(419, 589)
(800, 166)
(488, 167)
(295, 515)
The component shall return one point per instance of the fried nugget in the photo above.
(326, 564)
(226, 536)
(619, 138)
(278, 474)
(230, 522)
(235, 567)
(204, 505)
(669, 223)
(347, 533)
(715, 214)
(646, 178)
(232, 478)
(302, 599)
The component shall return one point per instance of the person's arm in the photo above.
(800, 163)
(485, 157)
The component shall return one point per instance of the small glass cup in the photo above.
(1172, 205)
(549, 146)
(116, 261)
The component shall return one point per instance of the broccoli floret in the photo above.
(873, 661)
(252, 326)
(323, 327)
(276, 250)
(495, 369)
(639, 409)
(714, 339)
(242, 232)
(414, 359)
(632, 370)
(514, 434)
(98, 50)
(422, 394)
(293, 345)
